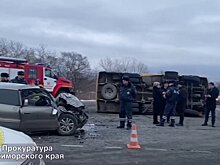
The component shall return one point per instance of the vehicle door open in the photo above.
(37, 111)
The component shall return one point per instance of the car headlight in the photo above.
(54, 112)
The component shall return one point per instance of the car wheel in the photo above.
(135, 80)
(132, 75)
(171, 75)
(135, 110)
(191, 78)
(67, 124)
(109, 91)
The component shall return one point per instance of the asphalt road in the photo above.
(102, 143)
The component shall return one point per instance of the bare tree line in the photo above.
(131, 65)
(71, 65)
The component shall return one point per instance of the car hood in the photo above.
(13, 138)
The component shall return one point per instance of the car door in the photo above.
(9, 108)
(49, 80)
(38, 117)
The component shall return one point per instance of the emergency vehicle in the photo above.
(36, 72)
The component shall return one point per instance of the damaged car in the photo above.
(33, 109)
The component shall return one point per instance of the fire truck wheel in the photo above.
(109, 91)
(67, 124)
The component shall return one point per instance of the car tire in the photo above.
(136, 110)
(135, 105)
(191, 79)
(171, 75)
(193, 113)
(68, 125)
(147, 109)
(135, 80)
(132, 75)
(109, 91)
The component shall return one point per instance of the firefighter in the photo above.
(127, 96)
(158, 102)
(181, 102)
(5, 77)
(170, 108)
(212, 95)
(19, 78)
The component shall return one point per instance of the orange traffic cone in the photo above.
(134, 138)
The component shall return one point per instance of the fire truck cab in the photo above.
(36, 72)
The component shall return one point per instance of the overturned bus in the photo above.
(108, 84)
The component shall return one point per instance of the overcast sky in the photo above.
(181, 35)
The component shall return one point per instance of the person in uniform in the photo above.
(181, 102)
(19, 78)
(127, 96)
(212, 95)
(170, 108)
(164, 89)
(158, 101)
(5, 77)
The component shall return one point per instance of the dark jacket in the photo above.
(158, 103)
(171, 95)
(164, 99)
(19, 81)
(211, 101)
(5, 81)
(182, 99)
(127, 93)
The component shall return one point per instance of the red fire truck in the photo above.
(36, 72)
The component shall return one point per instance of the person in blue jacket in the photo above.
(181, 102)
(170, 108)
(127, 96)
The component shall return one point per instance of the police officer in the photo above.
(164, 89)
(170, 108)
(157, 102)
(181, 102)
(19, 78)
(4, 77)
(127, 96)
(212, 95)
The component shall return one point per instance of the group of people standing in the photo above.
(169, 99)
(18, 79)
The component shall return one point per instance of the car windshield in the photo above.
(30, 92)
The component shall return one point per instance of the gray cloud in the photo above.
(165, 34)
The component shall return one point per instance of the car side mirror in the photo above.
(26, 102)
(55, 77)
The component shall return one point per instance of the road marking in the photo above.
(113, 148)
(77, 146)
(197, 151)
(156, 149)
